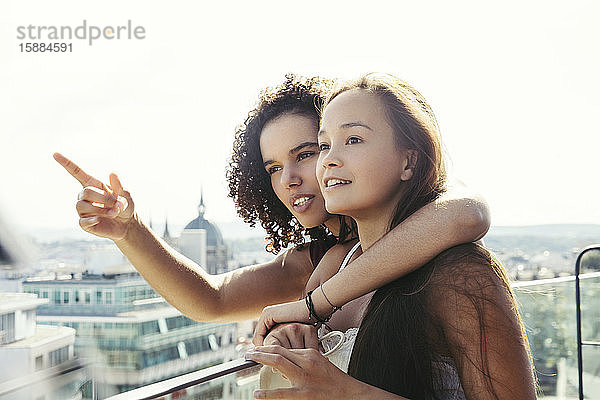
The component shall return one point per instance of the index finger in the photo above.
(276, 357)
(78, 173)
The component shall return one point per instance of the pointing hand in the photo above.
(104, 210)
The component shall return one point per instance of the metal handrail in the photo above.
(168, 386)
(580, 342)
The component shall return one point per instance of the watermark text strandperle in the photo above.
(82, 32)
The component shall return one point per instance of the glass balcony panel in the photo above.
(548, 311)
(137, 342)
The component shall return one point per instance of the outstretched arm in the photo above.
(234, 296)
(456, 217)
(108, 211)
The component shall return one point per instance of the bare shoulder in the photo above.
(296, 261)
(329, 264)
(338, 252)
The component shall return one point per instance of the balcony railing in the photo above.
(181, 383)
(549, 313)
(580, 340)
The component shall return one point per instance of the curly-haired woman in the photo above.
(276, 186)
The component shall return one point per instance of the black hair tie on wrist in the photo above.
(312, 315)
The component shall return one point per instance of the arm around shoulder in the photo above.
(456, 217)
(472, 217)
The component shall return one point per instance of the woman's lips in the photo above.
(332, 182)
(300, 203)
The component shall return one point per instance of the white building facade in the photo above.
(37, 361)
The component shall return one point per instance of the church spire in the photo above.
(166, 235)
(201, 206)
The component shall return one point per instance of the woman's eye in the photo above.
(353, 140)
(305, 154)
(273, 169)
(323, 147)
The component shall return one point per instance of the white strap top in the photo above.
(349, 256)
(338, 349)
(338, 345)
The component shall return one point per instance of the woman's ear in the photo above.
(409, 165)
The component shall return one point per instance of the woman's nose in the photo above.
(290, 179)
(331, 159)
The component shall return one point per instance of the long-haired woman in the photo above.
(450, 329)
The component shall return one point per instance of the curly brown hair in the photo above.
(249, 184)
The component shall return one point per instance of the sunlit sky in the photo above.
(515, 87)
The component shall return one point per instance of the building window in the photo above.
(66, 297)
(160, 356)
(7, 328)
(178, 322)
(57, 296)
(45, 294)
(98, 297)
(58, 356)
(88, 297)
(197, 345)
(149, 327)
(108, 297)
(39, 363)
(77, 296)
